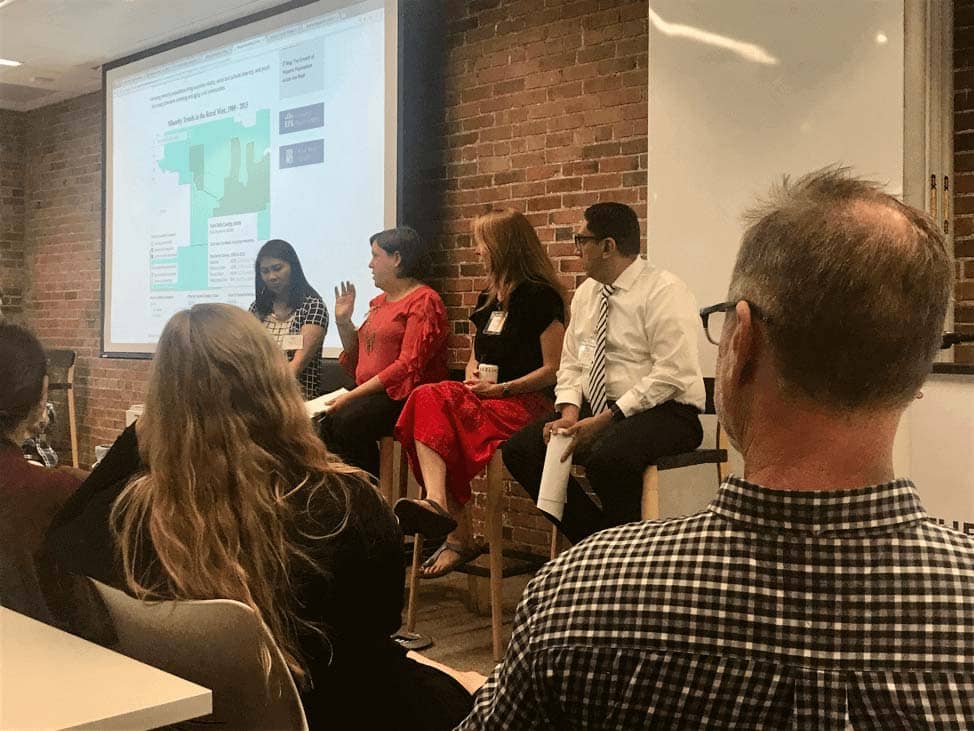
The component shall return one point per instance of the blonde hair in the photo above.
(514, 252)
(233, 465)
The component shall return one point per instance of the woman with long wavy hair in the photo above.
(450, 430)
(223, 490)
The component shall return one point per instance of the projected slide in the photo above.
(278, 135)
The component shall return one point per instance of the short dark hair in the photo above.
(853, 286)
(23, 366)
(299, 287)
(414, 257)
(617, 221)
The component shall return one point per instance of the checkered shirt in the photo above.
(311, 312)
(769, 610)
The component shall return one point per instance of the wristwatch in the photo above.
(617, 413)
(505, 390)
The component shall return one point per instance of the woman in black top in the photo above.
(223, 490)
(450, 430)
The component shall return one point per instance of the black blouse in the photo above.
(516, 349)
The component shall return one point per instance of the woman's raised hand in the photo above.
(344, 303)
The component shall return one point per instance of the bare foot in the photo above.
(448, 557)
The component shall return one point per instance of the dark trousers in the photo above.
(614, 463)
(353, 431)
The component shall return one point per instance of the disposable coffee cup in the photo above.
(488, 373)
(100, 451)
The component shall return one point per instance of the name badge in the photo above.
(293, 342)
(496, 323)
(586, 352)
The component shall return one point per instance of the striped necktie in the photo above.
(596, 377)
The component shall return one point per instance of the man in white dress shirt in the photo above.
(629, 387)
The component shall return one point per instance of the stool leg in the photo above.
(553, 551)
(72, 426)
(414, 583)
(650, 501)
(386, 465)
(495, 543)
(403, 473)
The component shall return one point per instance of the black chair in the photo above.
(60, 366)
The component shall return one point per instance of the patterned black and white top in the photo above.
(311, 312)
(769, 610)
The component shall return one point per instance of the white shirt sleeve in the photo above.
(671, 326)
(571, 371)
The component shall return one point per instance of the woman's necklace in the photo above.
(281, 310)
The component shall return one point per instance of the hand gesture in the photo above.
(344, 303)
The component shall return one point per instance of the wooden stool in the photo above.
(484, 584)
(650, 498)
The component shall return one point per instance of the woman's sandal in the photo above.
(465, 554)
(432, 521)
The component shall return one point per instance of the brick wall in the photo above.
(63, 244)
(13, 273)
(964, 174)
(545, 112)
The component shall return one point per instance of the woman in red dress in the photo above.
(400, 345)
(450, 430)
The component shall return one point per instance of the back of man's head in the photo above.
(852, 287)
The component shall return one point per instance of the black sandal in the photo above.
(415, 518)
(465, 554)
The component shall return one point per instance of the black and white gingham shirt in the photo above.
(311, 312)
(769, 610)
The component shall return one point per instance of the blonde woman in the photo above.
(450, 430)
(223, 490)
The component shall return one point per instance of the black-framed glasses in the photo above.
(580, 240)
(713, 317)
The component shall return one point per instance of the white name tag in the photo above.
(586, 352)
(293, 342)
(496, 323)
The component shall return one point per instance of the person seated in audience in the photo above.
(629, 387)
(400, 345)
(292, 311)
(224, 490)
(30, 495)
(450, 430)
(814, 592)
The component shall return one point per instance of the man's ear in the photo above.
(742, 345)
(609, 246)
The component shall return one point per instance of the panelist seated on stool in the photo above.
(451, 430)
(400, 344)
(629, 387)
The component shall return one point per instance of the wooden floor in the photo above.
(461, 638)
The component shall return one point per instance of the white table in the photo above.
(50, 679)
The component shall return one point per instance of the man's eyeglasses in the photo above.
(713, 318)
(580, 240)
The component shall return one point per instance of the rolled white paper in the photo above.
(554, 476)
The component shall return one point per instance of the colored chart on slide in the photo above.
(226, 165)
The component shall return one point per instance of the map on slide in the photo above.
(226, 165)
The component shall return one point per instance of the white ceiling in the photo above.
(63, 43)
